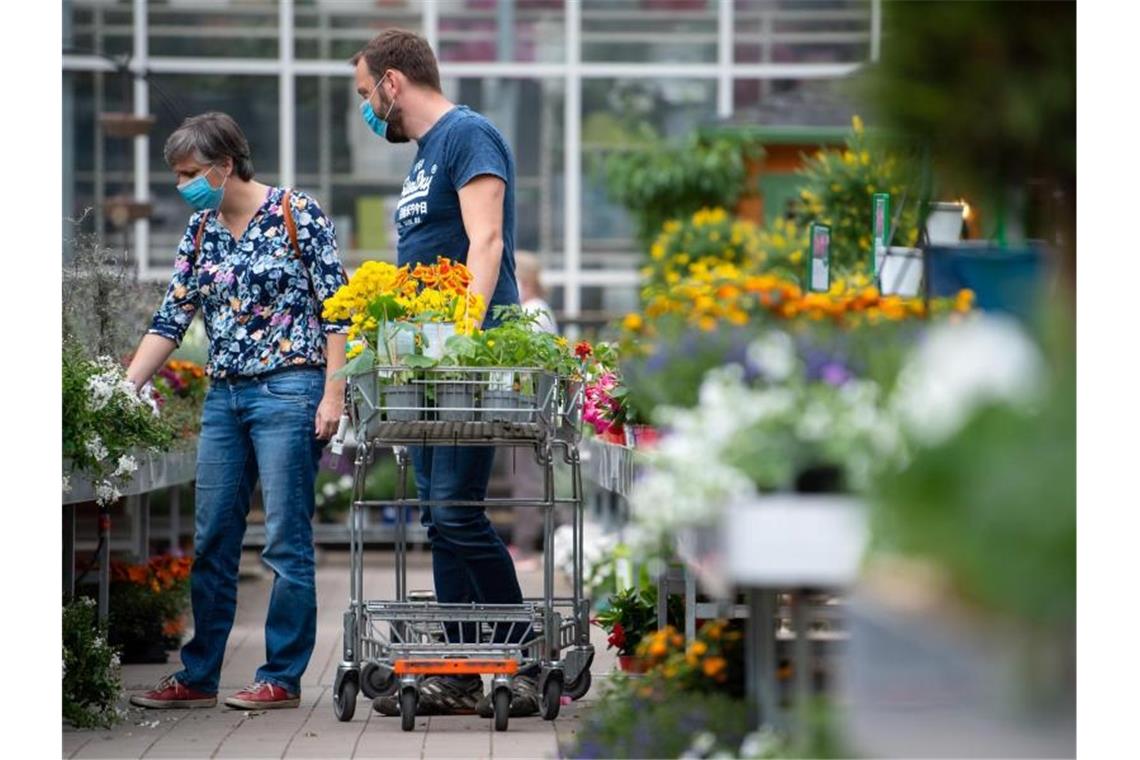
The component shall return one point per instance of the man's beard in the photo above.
(395, 132)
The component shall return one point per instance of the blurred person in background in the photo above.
(458, 202)
(533, 294)
(526, 480)
(258, 261)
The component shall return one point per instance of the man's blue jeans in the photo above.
(256, 429)
(470, 563)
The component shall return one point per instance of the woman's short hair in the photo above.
(209, 138)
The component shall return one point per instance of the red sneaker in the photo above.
(262, 695)
(170, 694)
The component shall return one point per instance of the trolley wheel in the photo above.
(577, 688)
(373, 685)
(408, 699)
(344, 700)
(551, 698)
(502, 706)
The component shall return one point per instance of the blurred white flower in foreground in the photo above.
(960, 367)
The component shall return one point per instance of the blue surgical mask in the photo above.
(200, 194)
(375, 123)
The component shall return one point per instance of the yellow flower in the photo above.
(796, 257)
(857, 124)
(698, 648)
(561, 341)
(865, 158)
(708, 324)
(354, 350)
(657, 251)
(490, 344)
(657, 648)
(632, 322)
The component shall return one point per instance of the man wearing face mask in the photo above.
(457, 201)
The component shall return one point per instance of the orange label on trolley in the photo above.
(454, 667)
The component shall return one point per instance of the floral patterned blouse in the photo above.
(261, 304)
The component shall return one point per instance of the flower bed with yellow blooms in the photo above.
(723, 293)
(712, 236)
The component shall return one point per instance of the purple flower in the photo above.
(834, 373)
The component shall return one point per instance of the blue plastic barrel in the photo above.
(1009, 280)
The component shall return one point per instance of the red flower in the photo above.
(582, 350)
(617, 637)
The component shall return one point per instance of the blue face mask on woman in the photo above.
(375, 123)
(200, 194)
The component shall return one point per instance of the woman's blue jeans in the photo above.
(256, 429)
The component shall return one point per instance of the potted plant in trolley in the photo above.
(376, 299)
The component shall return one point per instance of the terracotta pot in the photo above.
(630, 663)
(642, 436)
(614, 436)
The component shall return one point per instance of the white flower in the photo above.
(329, 490)
(67, 484)
(96, 448)
(345, 482)
(759, 743)
(960, 367)
(703, 743)
(814, 423)
(774, 354)
(127, 465)
(101, 391)
(115, 660)
(106, 493)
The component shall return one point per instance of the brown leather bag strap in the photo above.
(290, 223)
(198, 237)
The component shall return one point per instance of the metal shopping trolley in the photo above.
(390, 645)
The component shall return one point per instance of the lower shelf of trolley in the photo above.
(442, 612)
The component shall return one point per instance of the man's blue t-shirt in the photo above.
(460, 146)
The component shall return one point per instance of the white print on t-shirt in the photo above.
(416, 186)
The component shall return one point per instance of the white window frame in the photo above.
(571, 277)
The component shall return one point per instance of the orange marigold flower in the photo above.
(714, 666)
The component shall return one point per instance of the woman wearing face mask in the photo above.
(258, 261)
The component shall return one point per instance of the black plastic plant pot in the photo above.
(455, 402)
(499, 406)
(403, 403)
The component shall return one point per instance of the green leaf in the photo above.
(419, 361)
(362, 362)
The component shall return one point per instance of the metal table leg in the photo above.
(801, 662)
(142, 520)
(176, 521)
(69, 550)
(104, 563)
(690, 603)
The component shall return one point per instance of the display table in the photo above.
(610, 466)
(155, 472)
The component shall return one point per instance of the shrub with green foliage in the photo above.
(667, 182)
(837, 189)
(91, 680)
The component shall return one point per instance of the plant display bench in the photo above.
(156, 472)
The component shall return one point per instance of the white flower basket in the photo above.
(794, 541)
(944, 224)
(901, 272)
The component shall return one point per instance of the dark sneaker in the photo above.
(262, 695)
(524, 699)
(439, 695)
(170, 694)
